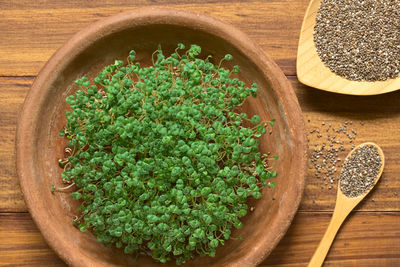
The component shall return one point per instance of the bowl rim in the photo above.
(141, 17)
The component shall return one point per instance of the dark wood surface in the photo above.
(30, 31)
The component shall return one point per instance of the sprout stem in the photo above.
(61, 189)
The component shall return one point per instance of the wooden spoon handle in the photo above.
(326, 242)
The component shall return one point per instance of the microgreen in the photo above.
(161, 159)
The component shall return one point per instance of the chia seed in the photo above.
(359, 39)
(360, 171)
(326, 156)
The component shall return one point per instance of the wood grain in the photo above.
(366, 239)
(312, 71)
(381, 115)
(32, 31)
(21, 243)
(12, 94)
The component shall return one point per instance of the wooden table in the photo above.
(30, 31)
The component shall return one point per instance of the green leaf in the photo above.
(255, 119)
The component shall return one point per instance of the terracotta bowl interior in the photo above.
(262, 228)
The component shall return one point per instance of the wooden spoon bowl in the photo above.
(311, 70)
(39, 147)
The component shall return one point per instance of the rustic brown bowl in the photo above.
(39, 147)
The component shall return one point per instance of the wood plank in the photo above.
(33, 30)
(354, 107)
(21, 243)
(381, 115)
(24, 245)
(12, 94)
(365, 239)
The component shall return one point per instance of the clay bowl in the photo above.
(39, 147)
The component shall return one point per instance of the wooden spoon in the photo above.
(344, 205)
(311, 70)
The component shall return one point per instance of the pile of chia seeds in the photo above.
(359, 39)
(360, 171)
(327, 151)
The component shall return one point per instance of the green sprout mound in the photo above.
(160, 157)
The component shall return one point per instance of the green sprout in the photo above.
(160, 156)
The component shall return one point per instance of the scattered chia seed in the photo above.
(360, 171)
(359, 39)
(326, 155)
